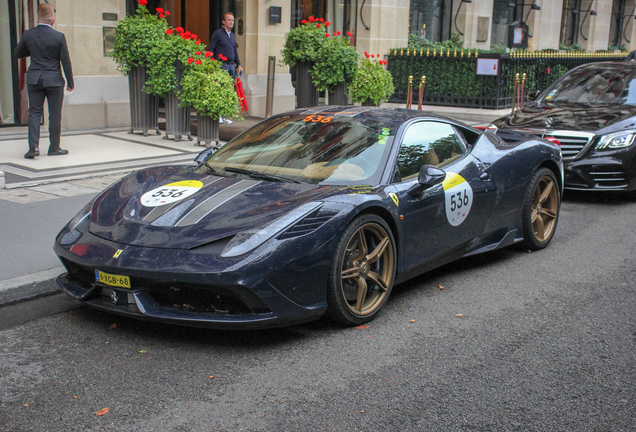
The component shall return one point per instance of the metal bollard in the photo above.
(521, 93)
(271, 73)
(516, 92)
(421, 94)
(409, 93)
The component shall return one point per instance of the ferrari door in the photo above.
(446, 218)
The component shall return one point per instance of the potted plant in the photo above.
(336, 64)
(165, 77)
(301, 48)
(210, 91)
(135, 37)
(371, 83)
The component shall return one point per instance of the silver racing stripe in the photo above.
(209, 205)
(158, 211)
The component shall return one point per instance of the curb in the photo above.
(29, 286)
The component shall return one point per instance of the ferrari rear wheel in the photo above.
(541, 210)
(362, 271)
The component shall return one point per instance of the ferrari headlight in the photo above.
(248, 240)
(81, 216)
(615, 141)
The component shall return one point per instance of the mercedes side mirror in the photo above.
(204, 155)
(429, 176)
(534, 95)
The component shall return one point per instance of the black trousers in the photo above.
(55, 97)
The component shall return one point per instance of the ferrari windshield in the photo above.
(595, 86)
(332, 149)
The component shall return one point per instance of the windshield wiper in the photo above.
(260, 175)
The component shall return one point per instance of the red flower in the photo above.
(303, 22)
(167, 13)
(169, 31)
(349, 34)
(198, 42)
(318, 25)
(366, 54)
(198, 53)
(193, 36)
(338, 33)
(372, 56)
(161, 15)
(327, 35)
(328, 23)
(311, 19)
(378, 55)
(190, 60)
(159, 10)
(179, 29)
(320, 19)
(208, 54)
(187, 34)
(197, 62)
(143, 2)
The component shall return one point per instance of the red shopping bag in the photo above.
(238, 85)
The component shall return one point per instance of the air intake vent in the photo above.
(307, 225)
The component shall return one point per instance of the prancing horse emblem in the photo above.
(548, 122)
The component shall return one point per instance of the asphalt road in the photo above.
(546, 343)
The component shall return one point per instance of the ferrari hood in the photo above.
(576, 118)
(174, 207)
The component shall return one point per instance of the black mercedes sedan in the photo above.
(591, 111)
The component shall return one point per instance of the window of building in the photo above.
(502, 17)
(617, 24)
(431, 19)
(570, 22)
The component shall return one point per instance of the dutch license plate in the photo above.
(112, 280)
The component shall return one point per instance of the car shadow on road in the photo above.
(591, 197)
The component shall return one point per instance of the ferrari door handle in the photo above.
(485, 176)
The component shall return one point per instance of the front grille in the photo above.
(572, 143)
(609, 176)
(81, 276)
(199, 300)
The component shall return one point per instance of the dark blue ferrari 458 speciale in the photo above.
(315, 212)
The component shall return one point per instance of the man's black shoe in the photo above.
(59, 152)
(31, 154)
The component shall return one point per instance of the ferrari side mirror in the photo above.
(534, 95)
(204, 155)
(429, 176)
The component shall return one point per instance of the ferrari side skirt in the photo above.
(508, 240)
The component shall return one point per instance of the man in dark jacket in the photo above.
(47, 49)
(223, 42)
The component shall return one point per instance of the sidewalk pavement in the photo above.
(40, 195)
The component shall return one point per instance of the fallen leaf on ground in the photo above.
(102, 412)
(459, 315)
(211, 376)
(362, 327)
(142, 352)
(112, 327)
(25, 404)
(74, 397)
(412, 321)
(439, 286)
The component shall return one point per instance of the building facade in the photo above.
(100, 98)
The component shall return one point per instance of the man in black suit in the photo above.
(47, 49)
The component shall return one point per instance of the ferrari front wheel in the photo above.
(362, 271)
(541, 210)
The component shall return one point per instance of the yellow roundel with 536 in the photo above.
(458, 197)
(170, 193)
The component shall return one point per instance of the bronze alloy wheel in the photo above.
(540, 214)
(545, 208)
(367, 269)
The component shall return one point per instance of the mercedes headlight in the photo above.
(249, 240)
(615, 141)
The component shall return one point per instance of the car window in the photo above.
(327, 148)
(595, 86)
(427, 143)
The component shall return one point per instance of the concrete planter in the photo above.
(144, 107)
(177, 119)
(207, 131)
(339, 95)
(306, 94)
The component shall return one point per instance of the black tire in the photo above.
(361, 279)
(541, 208)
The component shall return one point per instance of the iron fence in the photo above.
(451, 78)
